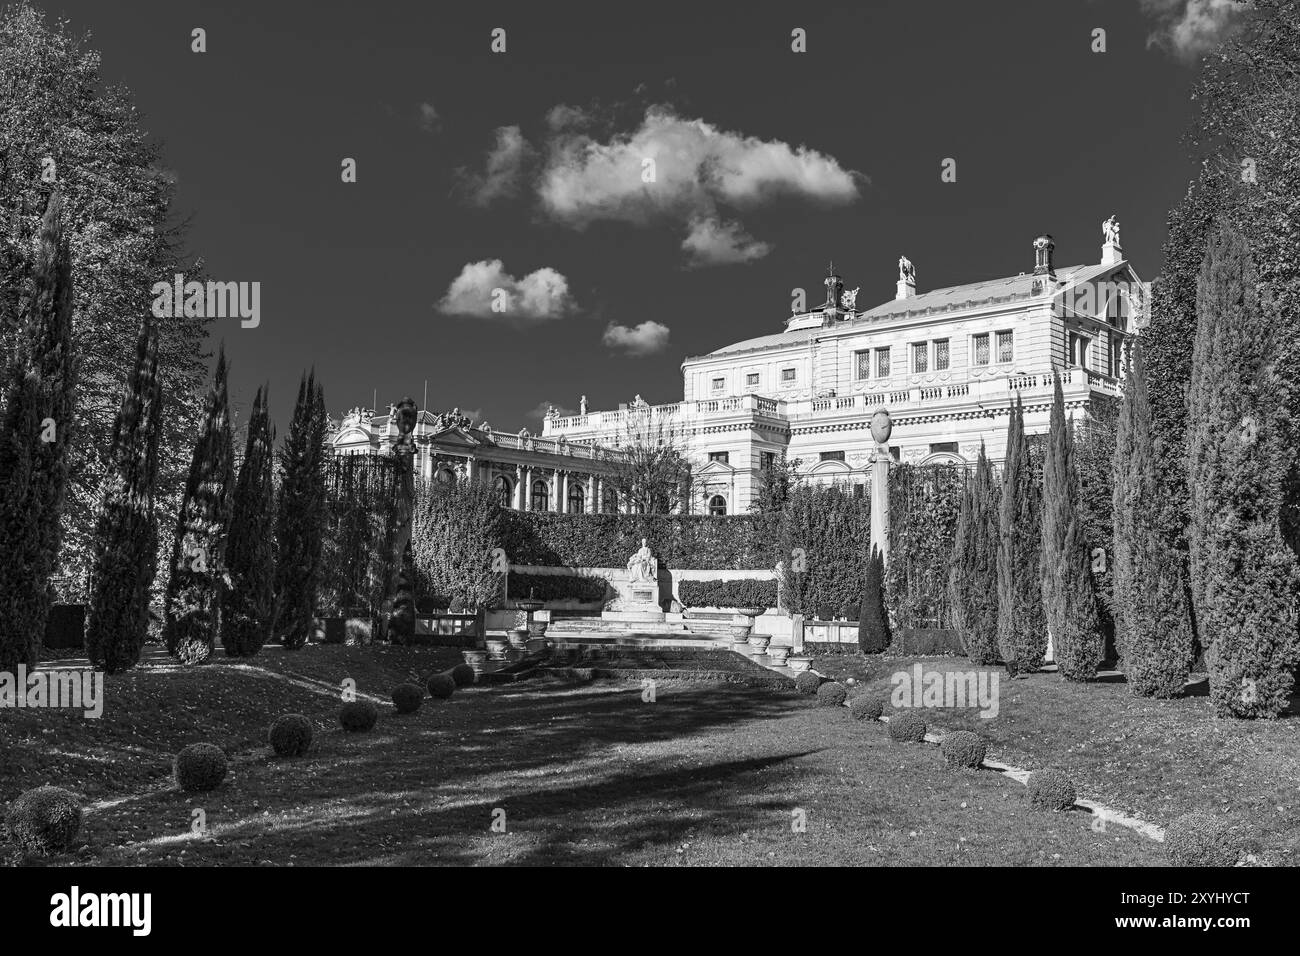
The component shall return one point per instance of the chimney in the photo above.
(1043, 248)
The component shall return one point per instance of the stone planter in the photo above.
(476, 659)
(518, 637)
(537, 628)
(758, 643)
(750, 612)
(799, 664)
(496, 648)
(537, 645)
(779, 654)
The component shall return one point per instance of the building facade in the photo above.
(948, 366)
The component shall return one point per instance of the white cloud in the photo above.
(429, 121)
(713, 242)
(543, 294)
(1191, 28)
(564, 116)
(503, 175)
(644, 339)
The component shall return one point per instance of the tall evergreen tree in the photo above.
(35, 434)
(1245, 576)
(1069, 602)
(248, 612)
(873, 620)
(973, 583)
(1022, 627)
(1153, 630)
(126, 534)
(300, 518)
(198, 565)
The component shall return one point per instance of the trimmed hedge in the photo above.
(907, 726)
(44, 821)
(702, 542)
(358, 716)
(963, 749)
(831, 694)
(1051, 790)
(730, 593)
(806, 682)
(407, 698)
(442, 686)
(557, 587)
(869, 705)
(463, 675)
(290, 735)
(199, 768)
(1200, 838)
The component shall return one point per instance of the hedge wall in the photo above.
(557, 587)
(824, 542)
(924, 505)
(698, 542)
(737, 592)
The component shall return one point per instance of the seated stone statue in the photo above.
(643, 565)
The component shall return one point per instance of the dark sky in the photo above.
(1048, 136)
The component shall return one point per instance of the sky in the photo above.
(525, 171)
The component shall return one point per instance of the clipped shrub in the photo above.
(1051, 790)
(1200, 838)
(441, 686)
(963, 749)
(731, 593)
(44, 821)
(869, 705)
(806, 682)
(200, 767)
(290, 735)
(358, 632)
(407, 698)
(831, 694)
(358, 716)
(463, 675)
(557, 587)
(907, 726)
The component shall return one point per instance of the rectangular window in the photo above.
(1004, 347)
(882, 362)
(1116, 356)
(920, 357)
(718, 383)
(832, 456)
(767, 459)
(1079, 345)
(722, 456)
(751, 380)
(943, 446)
(862, 364)
(941, 355)
(982, 349)
(787, 375)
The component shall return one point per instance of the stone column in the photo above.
(562, 493)
(525, 488)
(880, 501)
(593, 506)
(555, 491)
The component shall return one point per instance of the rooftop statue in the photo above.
(849, 299)
(906, 271)
(1110, 230)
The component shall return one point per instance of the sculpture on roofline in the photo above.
(906, 271)
(1110, 230)
(849, 299)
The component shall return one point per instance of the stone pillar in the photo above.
(525, 488)
(562, 492)
(880, 501)
(555, 490)
(593, 506)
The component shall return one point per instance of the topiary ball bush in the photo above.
(463, 675)
(407, 698)
(1051, 790)
(1200, 838)
(358, 716)
(200, 767)
(963, 750)
(44, 821)
(806, 682)
(442, 686)
(290, 735)
(907, 726)
(832, 694)
(867, 706)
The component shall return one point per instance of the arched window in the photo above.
(610, 504)
(501, 484)
(717, 505)
(445, 474)
(576, 499)
(541, 496)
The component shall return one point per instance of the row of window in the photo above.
(1079, 346)
(540, 497)
(788, 377)
(935, 355)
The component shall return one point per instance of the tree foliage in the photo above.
(457, 527)
(1022, 625)
(973, 580)
(301, 516)
(873, 621)
(248, 611)
(652, 470)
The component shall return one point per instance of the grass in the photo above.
(1155, 759)
(707, 774)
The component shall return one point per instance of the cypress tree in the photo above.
(1022, 628)
(300, 518)
(873, 621)
(1069, 602)
(126, 532)
(973, 584)
(1153, 630)
(198, 565)
(248, 612)
(35, 434)
(1244, 575)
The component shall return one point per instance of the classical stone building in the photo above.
(947, 364)
(529, 472)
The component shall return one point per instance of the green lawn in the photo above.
(585, 773)
(1153, 759)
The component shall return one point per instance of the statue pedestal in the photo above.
(637, 601)
(1112, 253)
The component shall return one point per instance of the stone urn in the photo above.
(758, 643)
(518, 637)
(740, 637)
(496, 648)
(476, 659)
(529, 606)
(778, 653)
(799, 664)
